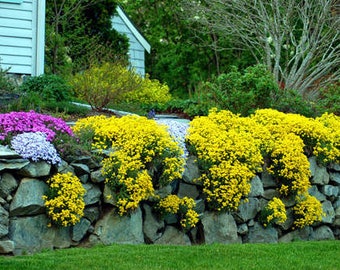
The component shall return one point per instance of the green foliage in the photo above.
(76, 31)
(48, 87)
(290, 101)
(329, 100)
(103, 84)
(238, 92)
(6, 84)
(149, 92)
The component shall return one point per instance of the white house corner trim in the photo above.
(40, 37)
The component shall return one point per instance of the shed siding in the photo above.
(18, 36)
(136, 50)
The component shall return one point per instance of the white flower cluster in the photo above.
(34, 146)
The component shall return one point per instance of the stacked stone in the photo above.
(24, 223)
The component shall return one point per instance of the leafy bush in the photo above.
(329, 100)
(143, 156)
(6, 84)
(103, 84)
(49, 88)
(65, 199)
(150, 92)
(237, 92)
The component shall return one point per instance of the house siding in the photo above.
(136, 48)
(19, 37)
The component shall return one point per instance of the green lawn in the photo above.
(296, 255)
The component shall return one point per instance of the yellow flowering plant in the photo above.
(143, 156)
(229, 156)
(273, 213)
(65, 199)
(182, 207)
(307, 211)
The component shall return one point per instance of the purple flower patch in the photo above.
(14, 123)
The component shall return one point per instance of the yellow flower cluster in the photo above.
(228, 148)
(275, 212)
(143, 156)
(184, 207)
(290, 165)
(65, 199)
(307, 211)
(321, 136)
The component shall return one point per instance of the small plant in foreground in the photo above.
(183, 208)
(34, 146)
(65, 199)
(273, 213)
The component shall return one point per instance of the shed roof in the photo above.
(133, 29)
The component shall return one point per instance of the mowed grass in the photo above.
(295, 255)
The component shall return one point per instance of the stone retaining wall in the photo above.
(24, 224)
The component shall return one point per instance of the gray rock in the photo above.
(247, 210)
(270, 194)
(330, 191)
(92, 194)
(329, 211)
(97, 177)
(31, 234)
(268, 180)
(109, 196)
(36, 169)
(200, 206)
(335, 167)
(6, 247)
(13, 164)
(64, 167)
(314, 191)
(4, 221)
(152, 227)
(80, 169)
(91, 213)
(112, 228)
(62, 237)
(335, 177)
(289, 222)
(256, 187)
(323, 233)
(191, 171)
(28, 198)
(172, 236)
(319, 174)
(288, 201)
(84, 178)
(7, 185)
(164, 191)
(219, 228)
(303, 234)
(242, 229)
(187, 190)
(259, 234)
(80, 229)
(7, 153)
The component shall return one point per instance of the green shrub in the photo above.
(6, 84)
(238, 92)
(150, 92)
(329, 100)
(105, 84)
(290, 101)
(49, 88)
